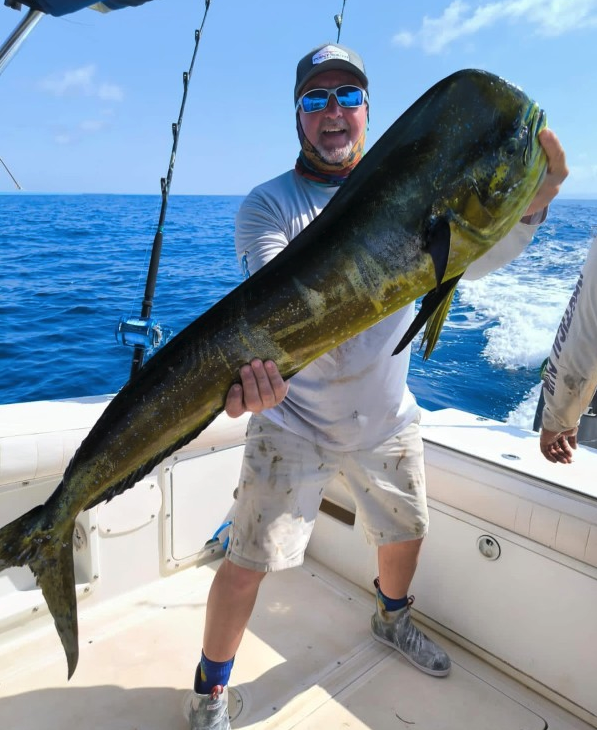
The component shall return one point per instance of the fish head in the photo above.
(487, 168)
(504, 165)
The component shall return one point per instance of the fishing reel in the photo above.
(141, 332)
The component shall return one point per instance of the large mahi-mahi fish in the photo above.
(448, 180)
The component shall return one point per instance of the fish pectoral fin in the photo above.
(54, 568)
(437, 245)
(433, 311)
(436, 322)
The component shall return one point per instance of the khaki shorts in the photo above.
(281, 486)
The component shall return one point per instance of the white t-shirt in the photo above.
(355, 396)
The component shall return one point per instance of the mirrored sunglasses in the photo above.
(347, 96)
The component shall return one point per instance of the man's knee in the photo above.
(238, 578)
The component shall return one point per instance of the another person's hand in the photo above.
(261, 387)
(557, 447)
(557, 172)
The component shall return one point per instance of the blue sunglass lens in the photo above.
(349, 96)
(317, 99)
(314, 101)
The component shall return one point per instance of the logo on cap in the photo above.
(330, 53)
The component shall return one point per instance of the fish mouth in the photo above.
(536, 121)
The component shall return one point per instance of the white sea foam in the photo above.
(523, 415)
(520, 321)
(520, 306)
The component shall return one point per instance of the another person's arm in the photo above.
(570, 377)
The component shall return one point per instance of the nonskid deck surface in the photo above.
(308, 661)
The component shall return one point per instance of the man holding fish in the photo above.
(348, 415)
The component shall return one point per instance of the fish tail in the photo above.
(28, 541)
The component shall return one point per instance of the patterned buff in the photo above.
(310, 163)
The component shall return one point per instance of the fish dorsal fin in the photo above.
(434, 309)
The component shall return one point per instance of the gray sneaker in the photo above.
(396, 629)
(207, 712)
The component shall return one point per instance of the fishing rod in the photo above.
(144, 333)
(13, 178)
(338, 19)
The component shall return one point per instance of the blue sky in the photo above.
(89, 100)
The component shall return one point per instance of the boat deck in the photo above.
(308, 661)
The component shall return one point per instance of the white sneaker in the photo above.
(207, 712)
(396, 629)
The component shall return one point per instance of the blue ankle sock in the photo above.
(209, 674)
(391, 604)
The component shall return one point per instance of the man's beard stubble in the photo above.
(335, 156)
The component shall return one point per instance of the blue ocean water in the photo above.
(72, 264)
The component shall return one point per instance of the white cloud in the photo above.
(92, 125)
(404, 38)
(460, 19)
(110, 92)
(63, 138)
(76, 133)
(81, 82)
(78, 81)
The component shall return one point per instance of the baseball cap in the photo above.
(328, 57)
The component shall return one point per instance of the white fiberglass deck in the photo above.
(308, 662)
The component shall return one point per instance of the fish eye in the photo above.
(511, 148)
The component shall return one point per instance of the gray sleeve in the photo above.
(502, 252)
(570, 377)
(259, 232)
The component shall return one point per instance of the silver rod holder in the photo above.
(18, 36)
